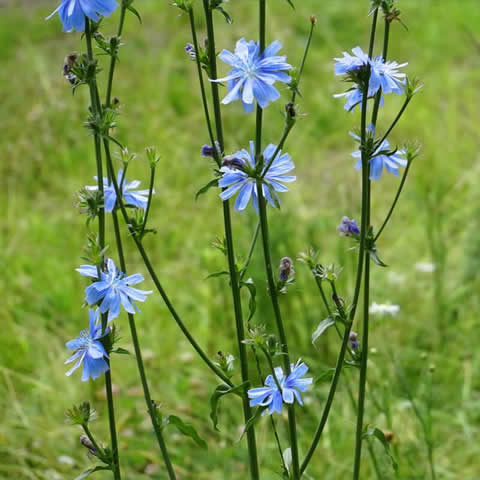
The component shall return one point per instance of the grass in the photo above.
(47, 157)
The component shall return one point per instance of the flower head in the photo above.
(290, 388)
(89, 350)
(72, 13)
(113, 288)
(135, 198)
(381, 157)
(384, 76)
(238, 180)
(353, 340)
(253, 74)
(348, 228)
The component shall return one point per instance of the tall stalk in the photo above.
(234, 278)
(96, 110)
(366, 210)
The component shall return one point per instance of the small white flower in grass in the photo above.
(425, 267)
(384, 309)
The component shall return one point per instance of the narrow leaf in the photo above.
(252, 304)
(186, 429)
(219, 392)
(218, 274)
(326, 376)
(379, 435)
(207, 187)
(228, 18)
(375, 258)
(88, 472)
(121, 351)
(252, 421)
(322, 327)
(291, 4)
(135, 12)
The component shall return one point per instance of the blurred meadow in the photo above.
(432, 245)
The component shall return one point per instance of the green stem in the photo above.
(97, 112)
(149, 202)
(155, 278)
(395, 121)
(278, 319)
(305, 53)
(394, 204)
(364, 228)
(333, 385)
(234, 277)
(138, 355)
(92, 439)
(259, 117)
(202, 85)
(113, 60)
(286, 131)
(250, 251)
(371, 452)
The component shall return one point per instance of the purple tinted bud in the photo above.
(348, 228)
(233, 162)
(207, 151)
(190, 50)
(353, 339)
(286, 267)
(87, 443)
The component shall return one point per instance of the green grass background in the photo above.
(46, 156)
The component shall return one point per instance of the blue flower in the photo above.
(254, 74)
(114, 289)
(290, 389)
(348, 228)
(383, 75)
(391, 161)
(354, 97)
(235, 180)
(73, 12)
(89, 350)
(138, 198)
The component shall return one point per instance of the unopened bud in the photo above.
(286, 268)
(232, 162)
(88, 444)
(353, 339)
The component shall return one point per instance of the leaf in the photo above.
(274, 195)
(135, 12)
(287, 458)
(219, 392)
(291, 4)
(88, 472)
(379, 435)
(326, 376)
(186, 429)
(322, 327)
(252, 421)
(374, 256)
(121, 351)
(228, 18)
(217, 274)
(252, 304)
(207, 187)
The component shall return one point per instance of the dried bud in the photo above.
(286, 269)
(87, 443)
(115, 101)
(68, 64)
(389, 436)
(313, 20)
(353, 339)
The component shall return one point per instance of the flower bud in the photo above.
(313, 20)
(232, 162)
(286, 269)
(87, 443)
(353, 339)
